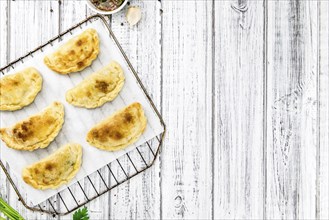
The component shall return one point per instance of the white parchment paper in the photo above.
(78, 121)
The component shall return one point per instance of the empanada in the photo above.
(76, 54)
(55, 170)
(121, 129)
(19, 89)
(37, 131)
(96, 89)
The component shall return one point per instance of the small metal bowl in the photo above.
(95, 9)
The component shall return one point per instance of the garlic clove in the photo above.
(133, 15)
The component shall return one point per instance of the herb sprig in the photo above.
(81, 214)
(11, 213)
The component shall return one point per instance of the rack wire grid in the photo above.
(105, 179)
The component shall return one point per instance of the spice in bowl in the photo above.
(107, 5)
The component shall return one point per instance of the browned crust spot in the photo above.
(115, 135)
(50, 166)
(79, 43)
(102, 86)
(88, 93)
(106, 132)
(24, 131)
(15, 83)
(80, 64)
(128, 118)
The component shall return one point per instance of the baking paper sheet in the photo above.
(77, 120)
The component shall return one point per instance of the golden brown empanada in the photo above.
(19, 89)
(55, 170)
(37, 131)
(76, 54)
(121, 129)
(96, 89)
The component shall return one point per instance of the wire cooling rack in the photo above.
(110, 176)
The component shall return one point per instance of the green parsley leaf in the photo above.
(81, 214)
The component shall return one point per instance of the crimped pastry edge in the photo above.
(29, 180)
(107, 98)
(37, 85)
(131, 140)
(39, 145)
(73, 69)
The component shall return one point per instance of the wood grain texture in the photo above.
(243, 87)
(4, 188)
(3, 28)
(292, 110)
(186, 159)
(71, 13)
(238, 110)
(323, 92)
(22, 38)
(139, 198)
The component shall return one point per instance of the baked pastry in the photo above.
(76, 54)
(55, 170)
(37, 131)
(119, 130)
(19, 89)
(99, 87)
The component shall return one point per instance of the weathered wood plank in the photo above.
(4, 189)
(323, 154)
(140, 197)
(71, 13)
(295, 176)
(27, 30)
(4, 33)
(238, 110)
(186, 159)
(292, 110)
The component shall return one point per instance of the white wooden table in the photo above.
(243, 87)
